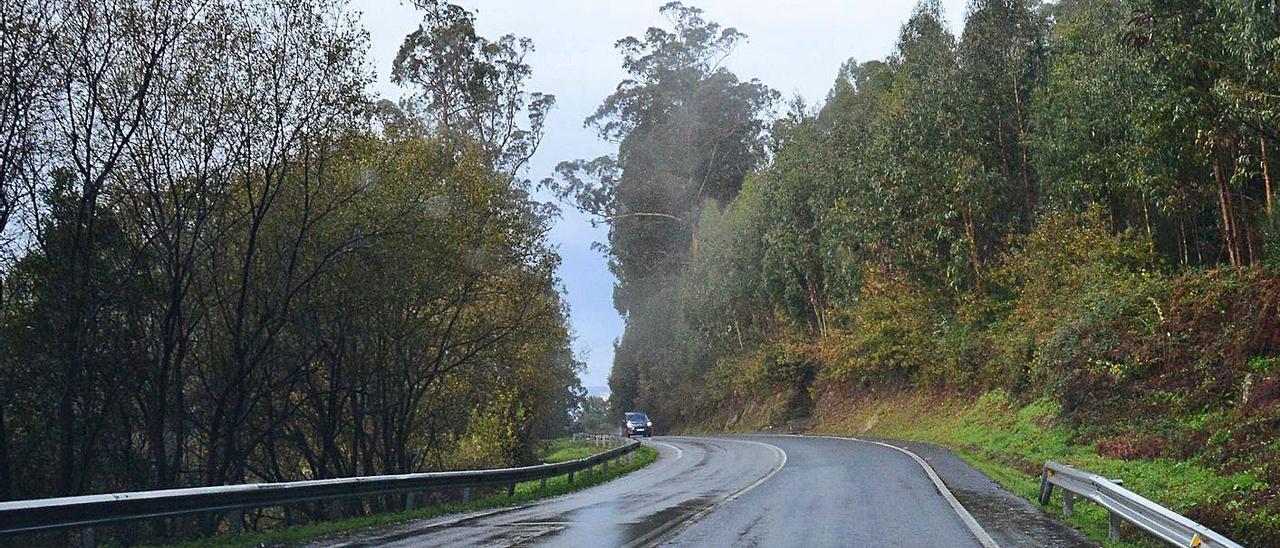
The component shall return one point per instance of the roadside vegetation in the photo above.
(1067, 209)
(565, 449)
(223, 262)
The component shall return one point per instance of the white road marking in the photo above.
(679, 451)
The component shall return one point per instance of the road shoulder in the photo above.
(1011, 520)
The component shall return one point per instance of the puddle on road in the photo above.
(662, 517)
(612, 524)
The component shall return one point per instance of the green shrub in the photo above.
(1067, 288)
(891, 335)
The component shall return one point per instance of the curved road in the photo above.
(835, 492)
(722, 491)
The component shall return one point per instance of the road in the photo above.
(835, 492)
(723, 491)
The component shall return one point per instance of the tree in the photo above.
(472, 88)
(1215, 80)
(232, 265)
(26, 39)
(1001, 62)
(104, 65)
(688, 131)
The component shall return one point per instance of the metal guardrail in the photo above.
(1126, 505)
(600, 440)
(112, 508)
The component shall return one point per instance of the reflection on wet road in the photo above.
(691, 476)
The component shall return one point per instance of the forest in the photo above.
(226, 262)
(1068, 202)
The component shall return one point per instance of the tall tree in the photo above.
(1001, 59)
(104, 66)
(470, 87)
(688, 131)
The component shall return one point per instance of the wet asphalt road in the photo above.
(690, 475)
(835, 492)
(722, 491)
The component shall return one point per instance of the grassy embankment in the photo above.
(1010, 443)
(556, 451)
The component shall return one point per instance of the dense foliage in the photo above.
(224, 263)
(961, 198)
(1071, 201)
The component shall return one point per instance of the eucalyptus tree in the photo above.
(1218, 78)
(795, 186)
(471, 88)
(1001, 61)
(688, 130)
(941, 206)
(1094, 123)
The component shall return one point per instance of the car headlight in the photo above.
(648, 423)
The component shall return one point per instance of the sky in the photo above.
(794, 46)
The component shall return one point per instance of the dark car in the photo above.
(636, 423)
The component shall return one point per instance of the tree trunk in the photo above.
(5, 493)
(1028, 194)
(1146, 221)
(972, 233)
(1249, 245)
(1266, 172)
(1227, 215)
(1182, 240)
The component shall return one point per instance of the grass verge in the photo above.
(564, 449)
(525, 492)
(1010, 444)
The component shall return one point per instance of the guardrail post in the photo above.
(1046, 487)
(543, 484)
(1068, 501)
(234, 522)
(86, 538)
(571, 477)
(466, 494)
(511, 490)
(410, 500)
(1113, 526)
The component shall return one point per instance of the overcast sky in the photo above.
(794, 46)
